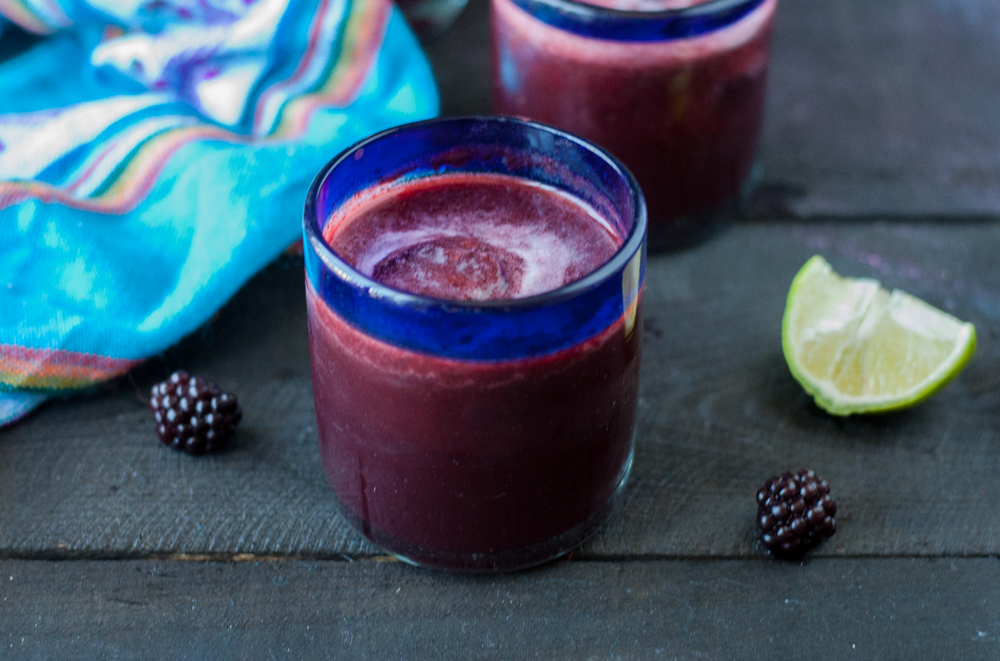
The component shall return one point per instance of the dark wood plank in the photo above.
(874, 108)
(885, 108)
(719, 413)
(831, 609)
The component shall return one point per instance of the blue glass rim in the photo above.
(506, 329)
(348, 273)
(644, 26)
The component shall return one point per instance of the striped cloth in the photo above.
(155, 154)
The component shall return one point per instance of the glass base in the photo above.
(500, 561)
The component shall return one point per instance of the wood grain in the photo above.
(719, 413)
(884, 107)
(829, 609)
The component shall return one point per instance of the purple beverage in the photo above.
(446, 458)
(683, 113)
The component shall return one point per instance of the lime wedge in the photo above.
(856, 348)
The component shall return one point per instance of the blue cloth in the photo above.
(154, 157)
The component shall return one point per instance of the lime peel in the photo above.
(857, 348)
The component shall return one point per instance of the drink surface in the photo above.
(471, 236)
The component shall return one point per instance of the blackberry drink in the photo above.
(475, 373)
(675, 88)
(461, 451)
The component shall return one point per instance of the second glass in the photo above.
(676, 94)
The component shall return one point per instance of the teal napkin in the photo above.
(154, 156)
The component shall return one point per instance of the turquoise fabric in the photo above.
(134, 201)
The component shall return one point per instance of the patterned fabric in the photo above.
(154, 154)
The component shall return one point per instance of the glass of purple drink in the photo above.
(674, 88)
(474, 291)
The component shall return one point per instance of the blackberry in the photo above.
(795, 512)
(192, 414)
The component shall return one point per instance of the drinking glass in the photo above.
(476, 435)
(676, 94)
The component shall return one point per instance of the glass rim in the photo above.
(597, 21)
(629, 247)
(708, 8)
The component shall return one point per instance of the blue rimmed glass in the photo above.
(476, 436)
(678, 95)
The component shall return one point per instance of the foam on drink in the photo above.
(471, 237)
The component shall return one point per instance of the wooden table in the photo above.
(881, 151)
